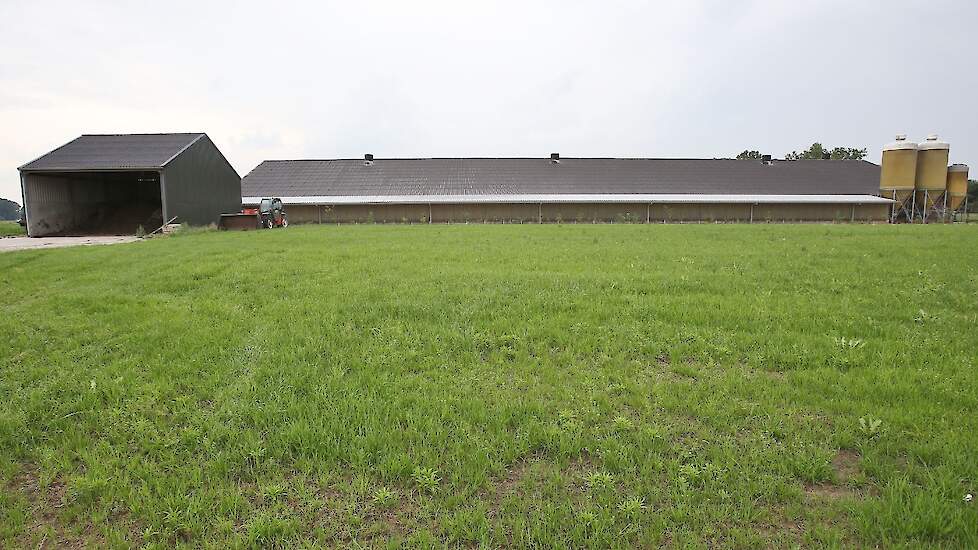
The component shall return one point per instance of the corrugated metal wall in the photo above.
(594, 213)
(585, 213)
(53, 204)
(199, 185)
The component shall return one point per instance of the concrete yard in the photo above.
(27, 243)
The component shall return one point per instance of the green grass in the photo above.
(11, 229)
(556, 386)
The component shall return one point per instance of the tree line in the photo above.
(816, 152)
(9, 210)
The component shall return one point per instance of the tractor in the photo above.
(271, 213)
(268, 214)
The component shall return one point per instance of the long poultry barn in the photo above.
(583, 190)
(114, 184)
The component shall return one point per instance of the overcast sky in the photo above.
(271, 80)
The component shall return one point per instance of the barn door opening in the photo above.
(92, 203)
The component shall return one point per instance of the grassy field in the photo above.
(553, 386)
(11, 229)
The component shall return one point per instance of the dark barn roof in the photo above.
(518, 176)
(114, 152)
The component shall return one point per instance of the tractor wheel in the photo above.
(269, 223)
(285, 222)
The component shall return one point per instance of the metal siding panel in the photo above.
(303, 214)
(699, 212)
(56, 203)
(491, 213)
(200, 185)
(595, 212)
(393, 213)
(803, 212)
(587, 213)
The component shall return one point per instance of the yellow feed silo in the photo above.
(898, 175)
(932, 155)
(957, 186)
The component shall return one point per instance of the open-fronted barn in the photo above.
(113, 184)
(568, 190)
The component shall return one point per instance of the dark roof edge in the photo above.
(80, 170)
(22, 167)
(62, 146)
(147, 134)
(182, 149)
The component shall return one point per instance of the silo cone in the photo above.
(898, 175)
(957, 186)
(931, 181)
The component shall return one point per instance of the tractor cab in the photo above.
(271, 213)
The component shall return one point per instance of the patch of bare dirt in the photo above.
(781, 531)
(45, 529)
(377, 523)
(509, 483)
(845, 466)
(395, 521)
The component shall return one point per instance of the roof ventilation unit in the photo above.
(555, 157)
(766, 159)
(368, 159)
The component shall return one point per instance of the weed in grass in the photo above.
(567, 418)
(384, 497)
(600, 481)
(923, 317)
(632, 507)
(274, 492)
(849, 343)
(622, 423)
(870, 427)
(426, 479)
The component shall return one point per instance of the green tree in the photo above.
(749, 155)
(9, 210)
(972, 195)
(818, 152)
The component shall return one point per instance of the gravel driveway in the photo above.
(27, 243)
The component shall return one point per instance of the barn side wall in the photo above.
(52, 205)
(594, 213)
(585, 213)
(199, 185)
(379, 213)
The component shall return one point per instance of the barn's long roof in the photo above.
(114, 152)
(472, 177)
